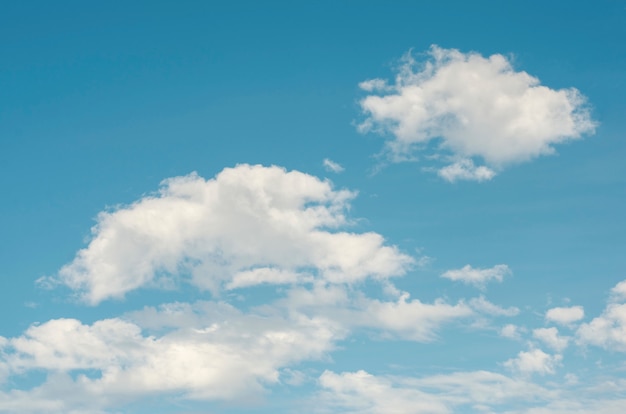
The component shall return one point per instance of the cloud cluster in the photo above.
(472, 108)
(252, 226)
(207, 350)
(248, 226)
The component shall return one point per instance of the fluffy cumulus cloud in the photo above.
(609, 329)
(565, 315)
(619, 291)
(467, 107)
(534, 361)
(511, 331)
(205, 351)
(551, 337)
(476, 276)
(248, 225)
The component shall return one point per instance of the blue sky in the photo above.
(373, 207)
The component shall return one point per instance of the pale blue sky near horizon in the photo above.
(101, 102)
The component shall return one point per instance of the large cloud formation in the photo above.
(473, 107)
(208, 351)
(249, 225)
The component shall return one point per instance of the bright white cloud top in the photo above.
(466, 107)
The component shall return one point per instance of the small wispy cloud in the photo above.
(332, 166)
(476, 276)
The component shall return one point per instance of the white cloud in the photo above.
(475, 391)
(67, 344)
(511, 331)
(59, 395)
(253, 225)
(551, 337)
(462, 392)
(482, 305)
(475, 107)
(210, 350)
(466, 170)
(245, 219)
(403, 318)
(619, 291)
(534, 361)
(4, 369)
(411, 319)
(375, 85)
(264, 275)
(476, 276)
(565, 315)
(364, 393)
(204, 351)
(332, 166)
(607, 330)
